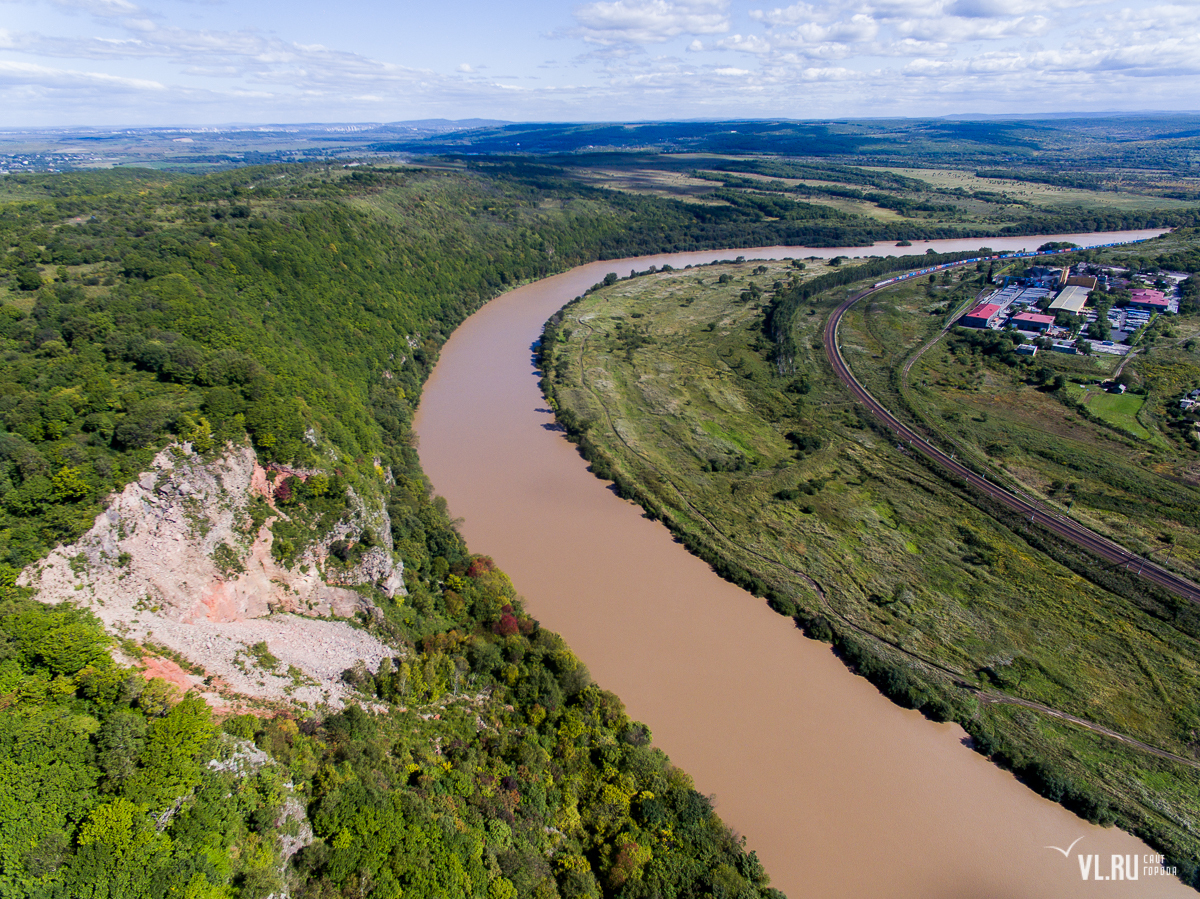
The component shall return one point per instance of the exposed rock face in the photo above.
(175, 561)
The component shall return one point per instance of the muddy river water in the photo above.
(841, 793)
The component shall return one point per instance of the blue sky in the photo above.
(170, 62)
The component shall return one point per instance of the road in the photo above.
(1029, 507)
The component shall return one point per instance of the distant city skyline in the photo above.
(198, 62)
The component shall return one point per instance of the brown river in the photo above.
(841, 793)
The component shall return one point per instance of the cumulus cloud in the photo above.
(792, 15)
(746, 44)
(961, 30)
(856, 29)
(866, 30)
(913, 47)
(247, 55)
(650, 21)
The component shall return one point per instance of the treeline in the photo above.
(752, 218)
(1084, 220)
(1081, 180)
(784, 306)
(903, 205)
(845, 174)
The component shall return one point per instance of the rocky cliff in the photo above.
(180, 565)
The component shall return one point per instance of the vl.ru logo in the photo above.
(1121, 867)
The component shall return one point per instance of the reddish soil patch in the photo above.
(168, 671)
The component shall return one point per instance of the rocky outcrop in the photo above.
(176, 561)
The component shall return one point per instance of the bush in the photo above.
(29, 278)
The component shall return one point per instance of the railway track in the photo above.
(1029, 507)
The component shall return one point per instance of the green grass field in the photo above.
(1120, 410)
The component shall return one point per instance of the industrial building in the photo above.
(1149, 300)
(1054, 277)
(1071, 298)
(982, 316)
(1032, 295)
(1031, 321)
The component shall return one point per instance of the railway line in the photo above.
(1027, 506)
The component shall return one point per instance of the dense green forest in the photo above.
(303, 307)
(1049, 146)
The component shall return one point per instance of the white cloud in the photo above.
(961, 30)
(32, 73)
(746, 44)
(792, 15)
(829, 73)
(912, 47)
(853, 57)
(857, 29)
(1172, 19)
(650, 21)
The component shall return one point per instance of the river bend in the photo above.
(842, 794)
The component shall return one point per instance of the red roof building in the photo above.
(1150, 300)
(1031, 321)
(981, 316)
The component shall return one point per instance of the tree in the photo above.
(120, 741)
(169, 767)
(29, 278)
(119, 854)
(69, 486)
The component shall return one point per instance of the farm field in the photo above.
(1125, 195)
